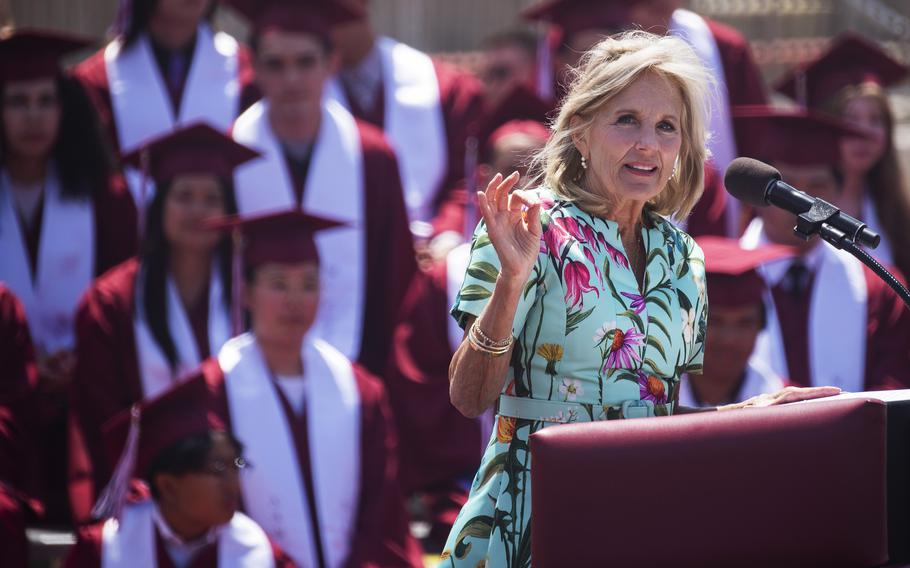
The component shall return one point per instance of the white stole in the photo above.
(413, 122)
(140, 101)
(334, 189)
(273, 489)
(65, 264)
(837, 319)
(722, 143)
(154, 370)
(130, 542)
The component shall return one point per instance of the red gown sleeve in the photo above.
(461, 98)
(106, 378)
(116, 225)
(887, 336)
(381, 536)
(390, 250)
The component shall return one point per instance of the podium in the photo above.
(807, 484)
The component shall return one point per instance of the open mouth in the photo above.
(640, 169)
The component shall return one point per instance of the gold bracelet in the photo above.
(479, 343)
(485, 339)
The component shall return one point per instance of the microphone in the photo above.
(759, 184)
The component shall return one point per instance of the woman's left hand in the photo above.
(783, 396)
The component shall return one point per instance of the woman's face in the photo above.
(634, 140)
(282, 300)
(31, 117)
(209, 497)
(192, 199)
(859, 155)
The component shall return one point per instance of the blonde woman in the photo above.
(581, 302)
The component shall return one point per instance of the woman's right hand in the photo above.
(513, 225)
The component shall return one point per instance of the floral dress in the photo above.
(588, 341)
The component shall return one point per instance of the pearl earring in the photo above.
(584, 163)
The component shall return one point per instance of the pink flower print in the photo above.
(590, 256)
(570, 226)
(591, 237)
(545, 202)
(650, 387)
(578, 281)
(622, 351)
(638, 302)
(553, 238)
(618, 257)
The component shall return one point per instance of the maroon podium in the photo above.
(794, 485)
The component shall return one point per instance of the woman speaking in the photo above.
(581, 301)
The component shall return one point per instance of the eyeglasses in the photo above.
(220, 468)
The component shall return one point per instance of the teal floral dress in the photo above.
(590, 345)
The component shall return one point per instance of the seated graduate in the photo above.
(192, 464)
(736, 294)
(18, 502)
(65, 218)
(150, 321)
(317, 426)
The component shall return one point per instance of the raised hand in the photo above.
(513, 224)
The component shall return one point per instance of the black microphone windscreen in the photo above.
(747, 179)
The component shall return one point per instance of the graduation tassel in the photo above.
(544, 63)
(111, 501)
(144, 161)
(237, 282)
(122, 19)
(471, 157)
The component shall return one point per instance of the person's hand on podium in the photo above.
(783, 396)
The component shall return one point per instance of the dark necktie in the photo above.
(796, 279)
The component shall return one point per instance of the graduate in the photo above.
(831, 320)
(65, 218)
(165, 67)
(427, 109)
(150, 321)
(318, 157)
(19, 502)
(722, 49)
(850, 80)
(317, 426)
(191, 463)
(440, 448)
(735, 318)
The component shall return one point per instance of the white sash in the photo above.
(721, 141)
(130, 543)
(837, 319)
(141, 104)
(413, 122)
(154, 370)
(273, 488)
(334, 189)
(883, 252)
(66, 262)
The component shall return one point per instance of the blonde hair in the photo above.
(605, 71)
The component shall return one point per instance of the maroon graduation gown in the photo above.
(92, 73)
(389, 249)
(438, 446)
(708, 215)
(106, 379)
(381, 532)
(86, 553)
(461, 101)
(887, 364)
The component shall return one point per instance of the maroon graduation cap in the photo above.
(316, 17)
(730, 270)
(27, 54)
(136, 436)
(801, 137)
(573, 16)
(850, 60)
(194, 149)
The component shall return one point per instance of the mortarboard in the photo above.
(522, 109)
(573, 16)
(316, 17)
(801, 137)
(730, 270)
(850, 60)
(27, 54)
(136, 436)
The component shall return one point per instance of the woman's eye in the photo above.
(626, 119)
(666, 126)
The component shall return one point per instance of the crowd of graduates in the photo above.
(226, 269)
